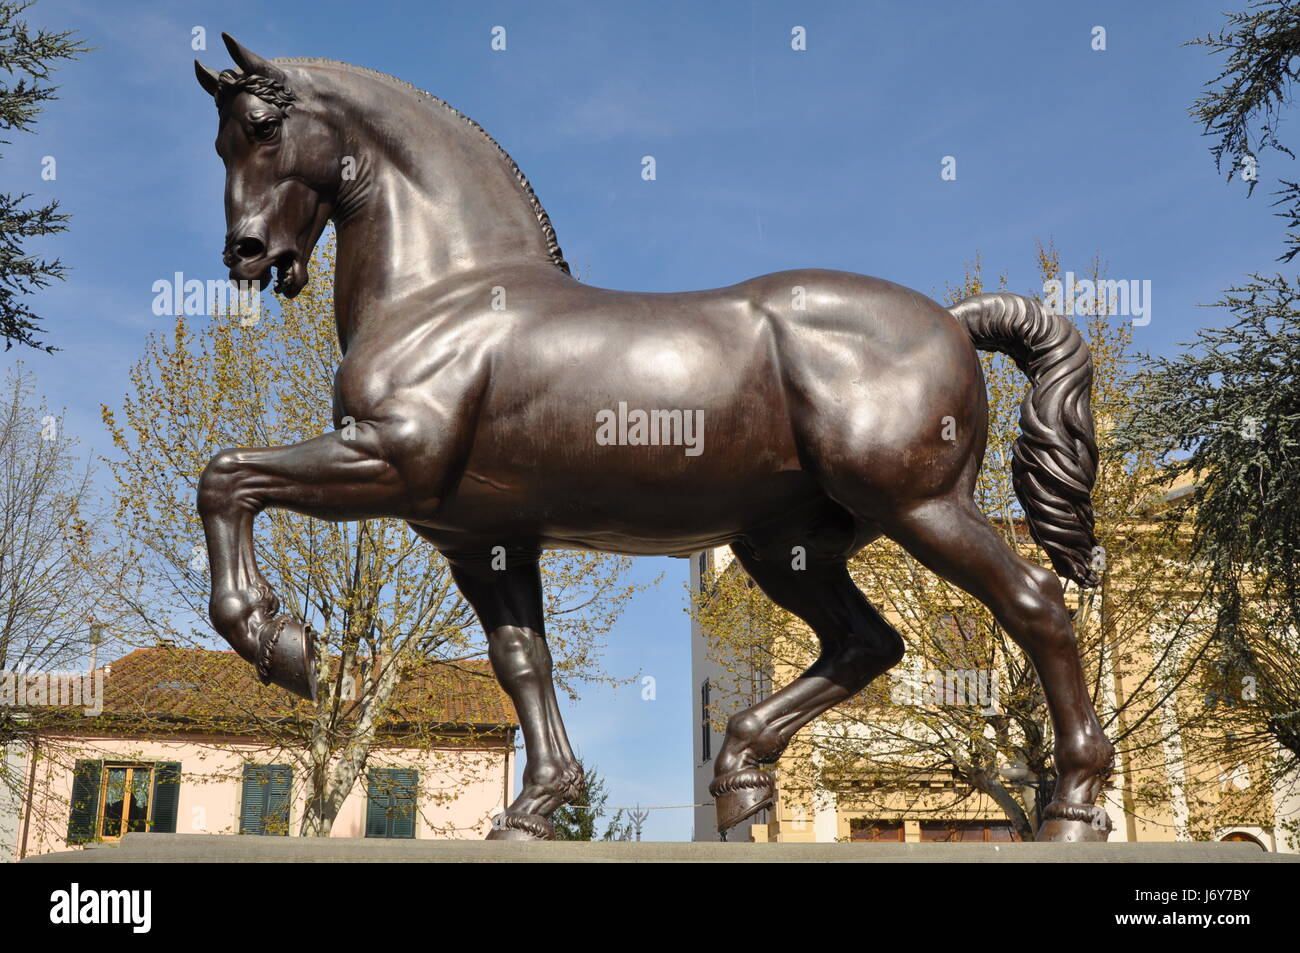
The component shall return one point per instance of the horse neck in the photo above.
(432, 197)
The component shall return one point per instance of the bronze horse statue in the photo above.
(836, 409)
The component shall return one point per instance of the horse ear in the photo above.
(249, 61)
(207, 78)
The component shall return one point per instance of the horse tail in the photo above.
(1055, 456)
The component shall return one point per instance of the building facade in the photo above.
(189, 742)
(846, 808)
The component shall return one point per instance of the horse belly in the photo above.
(623, 519)
(603, 481)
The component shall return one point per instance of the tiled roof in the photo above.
(212, 688)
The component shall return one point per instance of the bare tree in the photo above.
(58, 576)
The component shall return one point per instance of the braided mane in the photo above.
(278, 94)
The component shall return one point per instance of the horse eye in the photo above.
(264, 129)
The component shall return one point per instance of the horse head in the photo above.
(283, 169)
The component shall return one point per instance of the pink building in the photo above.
(188, 741)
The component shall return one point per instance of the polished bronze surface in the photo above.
(502, 408)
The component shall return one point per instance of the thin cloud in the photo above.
(621, 109)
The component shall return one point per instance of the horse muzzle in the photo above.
(288, 269)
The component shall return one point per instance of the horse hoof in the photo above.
(521, 827)
(1074, 824)
(287, 657)
(739, 795)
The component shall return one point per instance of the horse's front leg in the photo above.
(329, 477)
(509, 604)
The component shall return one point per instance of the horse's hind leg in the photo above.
(509, 604)
(952, 538)
(857, 644)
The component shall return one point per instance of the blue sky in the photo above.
(766, 159)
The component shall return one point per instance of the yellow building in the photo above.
(1166, 790)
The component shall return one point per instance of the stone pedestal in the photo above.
(201, 848)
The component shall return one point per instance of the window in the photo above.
(110, 799)
(706, 729)
(264, 807)
(125, 800)
(979, 831)
(868, 830)
(1244, 838)
(390, 805)
(957, 643)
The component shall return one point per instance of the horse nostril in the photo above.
(249, 248)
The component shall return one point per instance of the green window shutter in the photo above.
(278, 790)
(376, 806)
(84, 810)
(166, 796)
(391, 802)
(252, 803)
(264, 806)
(403, 808)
